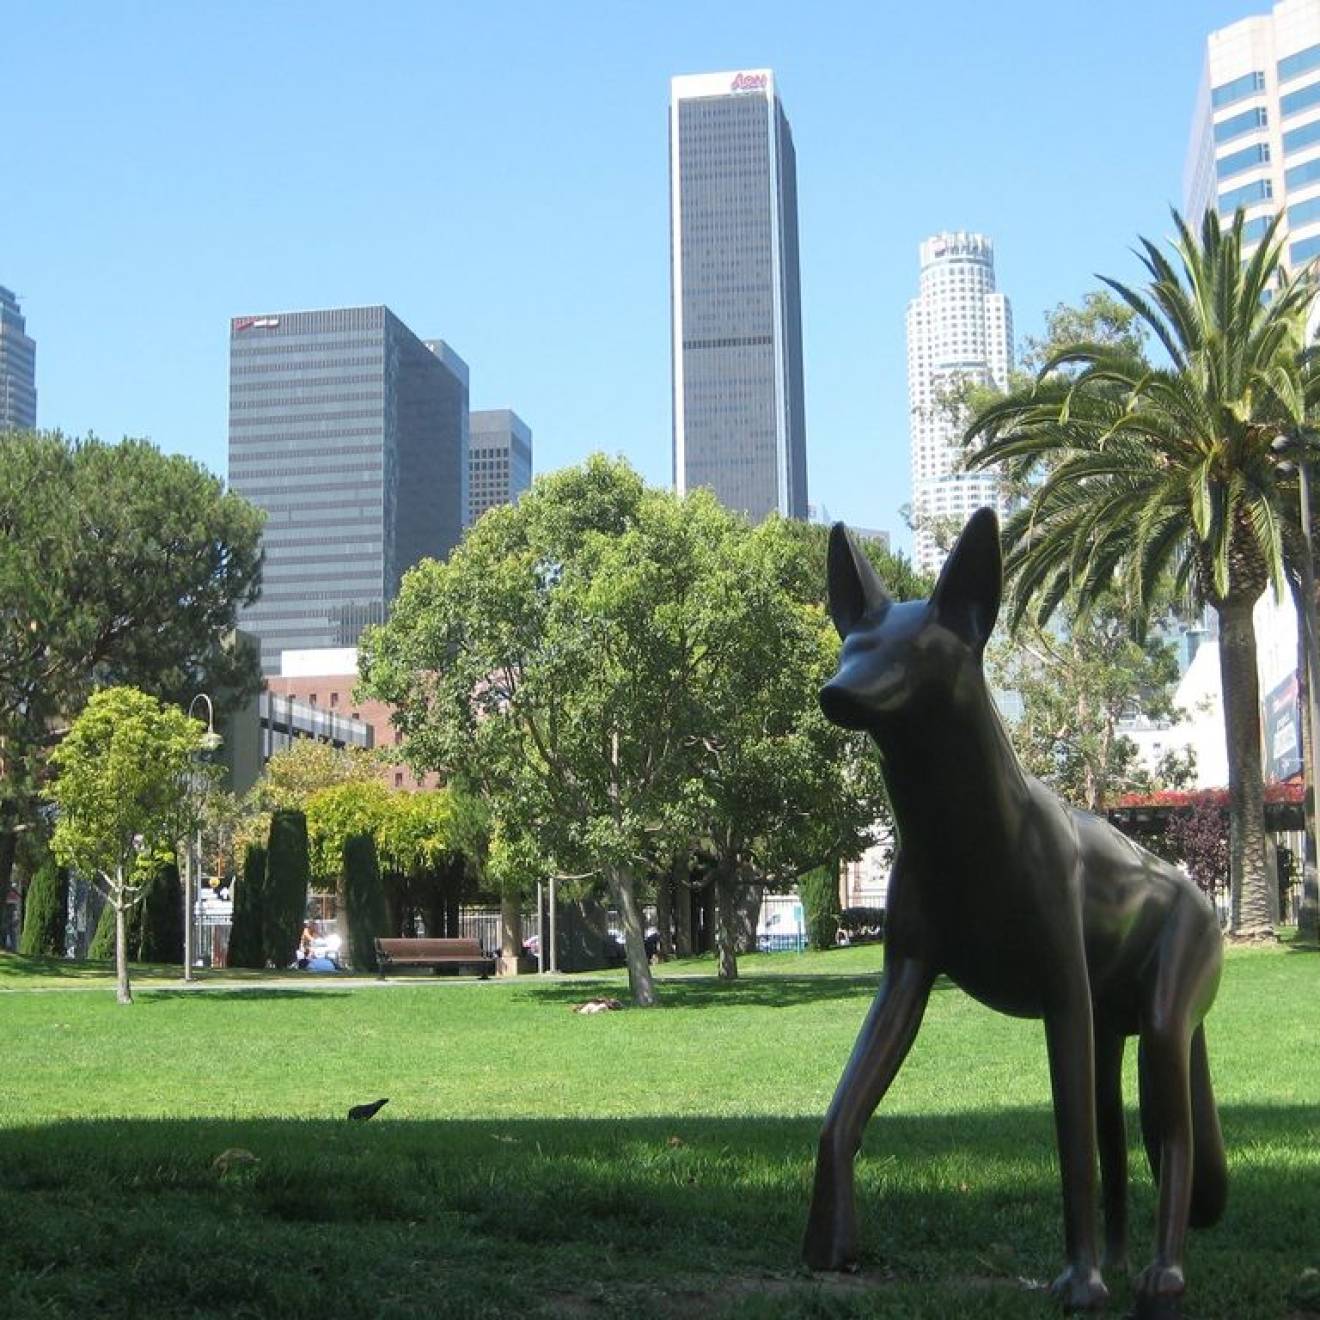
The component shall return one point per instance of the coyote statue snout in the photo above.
(1036, 910)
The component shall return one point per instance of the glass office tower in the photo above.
(1255, 139)
(739, 420)
(352, 434)
(499, 459)
(18, 368)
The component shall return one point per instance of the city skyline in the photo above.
(735, 294)
(553, 199)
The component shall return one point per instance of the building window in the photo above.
(1300, 175)
(1248, 159)
(334, 699)
(1301, 252)
(1247, 122)
(311, 698)
(1248, 85)
(1305, 136)
(1302, 99)
(1261, 190)
(1305, 60)
(398, 779)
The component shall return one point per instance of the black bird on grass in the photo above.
(364, 1112)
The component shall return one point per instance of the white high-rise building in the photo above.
(958, 329)
(1256, 128)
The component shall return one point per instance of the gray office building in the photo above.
(499, 459)
(18, 368)
(352, 434)
(735, 300)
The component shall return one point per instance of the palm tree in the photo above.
(1146, 471)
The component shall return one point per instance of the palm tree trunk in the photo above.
(1246, 783)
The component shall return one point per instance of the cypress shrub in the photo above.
(288, 873)
(820, 905)
(245, 947)
(161, 938)
(364, 901)
(102, 947)
(45, 913)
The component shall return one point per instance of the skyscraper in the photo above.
(739, 421)
(1256, 127)
(499, 459)
(958, 329)
(18, 368)
(352, 435)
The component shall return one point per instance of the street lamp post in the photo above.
(1296, 446)
(210, 740)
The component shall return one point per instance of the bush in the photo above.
(245, 946)
(161, 924)
(364, 901)
(102, 947)
(45, 913)
(820, 905)
(862, 925)
(288, 873)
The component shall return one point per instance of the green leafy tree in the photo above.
(45, 914)
(119, 788)
(538, 663)
(772, 789)
(118, 565)
(1166, 472)
(364, 900)
(246, 948)
(1077, 683)
(288, 876)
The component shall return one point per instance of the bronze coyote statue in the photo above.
(1033, 908)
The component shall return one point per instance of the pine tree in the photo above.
(364, 901)
(288, 873)
(45, 913)
(245, 938)
(102, 947)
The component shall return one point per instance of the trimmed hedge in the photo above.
(862, 925)
(820, 905)
(288, 874)
(45, 914)
(245, 946)
(364, 901)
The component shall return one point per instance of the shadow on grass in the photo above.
(159, 994)
(688, 1216)
(705, 992)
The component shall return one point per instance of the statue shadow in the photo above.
(664, 1215)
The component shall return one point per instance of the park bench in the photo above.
(434, 953)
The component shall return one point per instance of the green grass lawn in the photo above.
(533, 1161)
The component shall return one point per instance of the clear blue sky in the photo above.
(497, 175)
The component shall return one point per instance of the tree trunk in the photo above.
(725, 885)
(1246, 784)
(623, 892)
(1308, 918)
(682, 909)
(123, 991)
(747, 912)
(8, 847)
(511, 933)
(665, 887)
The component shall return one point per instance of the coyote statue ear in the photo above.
(854, 588)
(966, 598)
